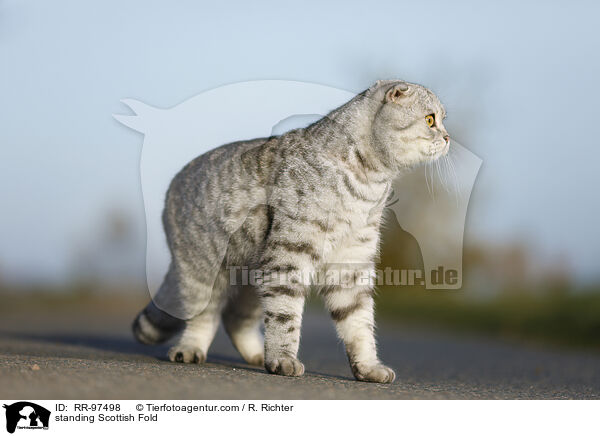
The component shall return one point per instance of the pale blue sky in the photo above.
(519, 82)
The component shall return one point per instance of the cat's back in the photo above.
(217, 168)
(231, 174)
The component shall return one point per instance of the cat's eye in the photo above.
(430, 120)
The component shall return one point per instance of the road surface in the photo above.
(88, 353)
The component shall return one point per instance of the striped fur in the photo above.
(300, 204)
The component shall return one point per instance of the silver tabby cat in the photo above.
(299, 203)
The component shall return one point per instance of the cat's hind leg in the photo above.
(242, 318)
(193, 342)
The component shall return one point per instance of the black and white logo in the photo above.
(26, 415)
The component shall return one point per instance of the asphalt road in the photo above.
(88, 353)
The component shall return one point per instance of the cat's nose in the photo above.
(447, 139)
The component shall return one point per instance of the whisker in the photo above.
(457, 189)
(431, 174)
(442, 174)
(427, 178)
(452, 176)
(446, 174)
(439, 172)
(455, 175)
(446, 166)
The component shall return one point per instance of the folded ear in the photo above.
(396, 93)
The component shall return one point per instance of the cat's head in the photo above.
(408, 125)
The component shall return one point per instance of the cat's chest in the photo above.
(354, 232)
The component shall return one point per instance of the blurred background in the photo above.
(519, 82)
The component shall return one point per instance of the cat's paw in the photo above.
(377, 373)
(288, 366)
(184, 354)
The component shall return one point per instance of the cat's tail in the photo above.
(153, 326)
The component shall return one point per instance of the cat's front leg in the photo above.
(351, 308)
(283, 306)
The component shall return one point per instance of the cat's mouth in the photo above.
(446, 148)
(438, 149)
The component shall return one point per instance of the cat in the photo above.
(297, 204)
